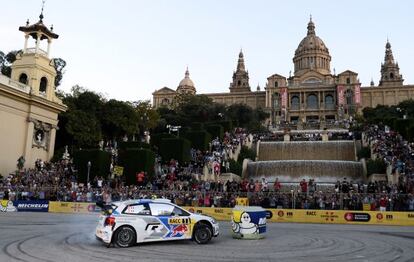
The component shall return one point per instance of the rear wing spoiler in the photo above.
(106, 209)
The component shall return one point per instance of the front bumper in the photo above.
(104, 234)
(215, 230)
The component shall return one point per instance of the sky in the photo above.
(127, 49)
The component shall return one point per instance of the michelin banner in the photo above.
(73, 207)
(32, 206)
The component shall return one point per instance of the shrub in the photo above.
(235, 167)
(156, 139)
(215, 131)
(197, 126)
(376, 166)
(199, 139)
(245, 152)
(133, 144)
(175, 148)
(364, 152)
(136, 160)
(100, 163)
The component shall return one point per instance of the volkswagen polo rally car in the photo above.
(135, 221)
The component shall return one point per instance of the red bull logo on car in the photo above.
(178, 230)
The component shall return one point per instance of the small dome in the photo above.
(186, 85)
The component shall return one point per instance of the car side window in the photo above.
(137, 209)
(179, 212)
(159, 209)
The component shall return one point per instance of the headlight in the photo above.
(213, 220)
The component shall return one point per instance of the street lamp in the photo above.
(89, 170)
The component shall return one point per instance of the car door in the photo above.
(176, 220)
(148, 228)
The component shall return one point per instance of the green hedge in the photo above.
(199, 139)
(245, 152)
(235, 167)
(376, 166)
(156, 138)
(100, 163)
(364, 152)
(197, 126)
(215, 131)
(402, 125)
(226, 124)
(133, 144)
(175, 148)
(136, 160)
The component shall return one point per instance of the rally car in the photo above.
(145, 220)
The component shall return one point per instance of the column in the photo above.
(26, 39)
(49, 42)
(37, 43)
(29, 141)
(51, 146)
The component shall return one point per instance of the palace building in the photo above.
(29, 107)
(312, 94)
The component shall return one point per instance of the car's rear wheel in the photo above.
(124, 236)
(202, 234)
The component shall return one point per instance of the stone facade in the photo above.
(29, 107)
(313, 93)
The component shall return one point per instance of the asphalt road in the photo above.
(63, 237)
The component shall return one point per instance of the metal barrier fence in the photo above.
(270, 199)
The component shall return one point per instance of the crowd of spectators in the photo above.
(396, 153)
(180, 183)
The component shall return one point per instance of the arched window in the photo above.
(329, 102)
(294, 103)
(349, 96)
(391, 76)
(239, 83)
(312, 102)
(165, 101)
(276, 84)
(23, 79)
(348, 80)
(43, 84)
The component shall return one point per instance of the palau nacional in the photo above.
(29, 107)
(313, 94)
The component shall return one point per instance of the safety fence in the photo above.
(225, 214)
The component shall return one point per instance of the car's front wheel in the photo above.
(124, 237)
(202, 234)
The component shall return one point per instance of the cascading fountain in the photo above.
(323, 161)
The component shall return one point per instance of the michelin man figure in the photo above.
(245, 226)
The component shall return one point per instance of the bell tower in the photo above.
(33, 67)
(240, 77)
(390, 71)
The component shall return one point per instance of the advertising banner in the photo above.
(73, 207)
(223, 214)
(7, 206)
(319, 216)
(32, 206)
(284, 97)
(357, 94)
(341, 95)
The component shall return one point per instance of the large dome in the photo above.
(186, 85)
(312, 53)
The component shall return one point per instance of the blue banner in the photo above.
(32, 205)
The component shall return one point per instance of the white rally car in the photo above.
(135, 221)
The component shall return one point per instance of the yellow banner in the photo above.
(218, 213)
(320, 216)
(72, 207)
(118, 170)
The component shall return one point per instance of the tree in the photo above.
(84, 128)
(118, 118)
(59, 64)
(147, 116)
(7, 61)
